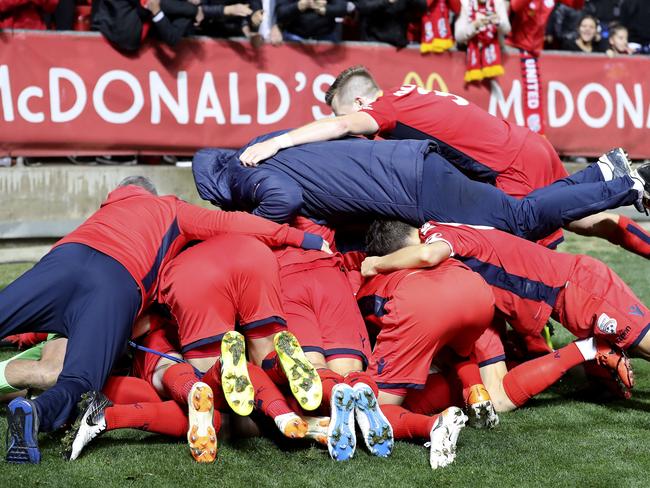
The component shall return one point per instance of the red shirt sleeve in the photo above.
(197, 223)
(384, 113)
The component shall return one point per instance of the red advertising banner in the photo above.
(75, 94)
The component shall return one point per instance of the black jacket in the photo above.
(308, 24)
(382, 21)
(217, 24)
(635, 15)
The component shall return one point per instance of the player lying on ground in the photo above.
(517, 160)
(421, 315)
(355, 179)
(530, 284)
(93, 283)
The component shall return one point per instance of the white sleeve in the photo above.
(437, 237)
(463, 28)
(504, 22)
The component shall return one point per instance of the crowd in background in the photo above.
(617, 27)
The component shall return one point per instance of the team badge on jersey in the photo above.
(606, 324)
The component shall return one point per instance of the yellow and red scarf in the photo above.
(436, 30)
(483, 50)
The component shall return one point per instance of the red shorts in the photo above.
(322, 313)
(597, 302)
(536, 166)
(489, 347)
(443, 306)
(163, 337)
(221, 282)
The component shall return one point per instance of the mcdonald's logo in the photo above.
(434, 78)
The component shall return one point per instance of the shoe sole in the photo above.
(378, 435)
(235, 381)
(482, 415)
(444, 436)
(341, 436)
(317, 429)
(303, 379)
(296, 429)
(23, 443)
(201, 436)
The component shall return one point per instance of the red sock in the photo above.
(272, 367)
(532, 377)
(435, 397)
(212, 378)
(408, 425)
(361, 377)
(166, 418)
(268, 398)
(631, 237)
(468, 374)
(129, 389)
(329, 379)
(178, 380)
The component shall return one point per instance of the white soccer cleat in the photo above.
(90, 423)
(291, 425)
(201, 435)
(317, 428)
(480, 408)
(444, 436)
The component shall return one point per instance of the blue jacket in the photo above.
(329, 181)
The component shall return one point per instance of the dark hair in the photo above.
(616, 27)
(364, 83)
(141, 181)
(588, 16)
(386, 236)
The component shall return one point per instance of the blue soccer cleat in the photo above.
(341, 437)
(377, 431)
(22, 432)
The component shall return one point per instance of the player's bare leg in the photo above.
(492, 376)
(40, 374)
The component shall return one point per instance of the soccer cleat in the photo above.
(201, 436)
(341, 437)
(642, 174)
(22, 432)
(444, 436)
(90, 423)
(616, 361)
(317, 429)
(291, 425)
(236, 383)
(377, 431)
(617, 161)
(303, 379)
(480, 408)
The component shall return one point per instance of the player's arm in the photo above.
(197, 223)
(357, 123)
(419, 256)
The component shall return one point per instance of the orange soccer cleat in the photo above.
(617, 361)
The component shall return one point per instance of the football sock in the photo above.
(408, 425)
(329, 379)
(361, 377)
(268, 398)
(469, 375)
(178, 380)
(435, 397)
(532, 377)
(271, 365)
(631, 237)
(125, 390)
(587, 348)
(212, 378)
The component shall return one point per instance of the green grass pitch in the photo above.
(560, 438)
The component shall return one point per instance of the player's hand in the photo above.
(320, 6)
(259, 152)
(237, 10)
(257, 17)
(153, 6)
(369, 266)
(199, 17)
(326, 247)
(276, 36)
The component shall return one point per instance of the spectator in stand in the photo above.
(606, 11)
(561, 26)
(233, 18)
(618, 45)
(588, 39)
(479, 25)
(269, 29)
(65, 14)
(25, 14)
(387, 20)
(310, 19)
(635, 15)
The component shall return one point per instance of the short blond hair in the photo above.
(351, 83)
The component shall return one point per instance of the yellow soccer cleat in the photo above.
(201, 436)
(236, 383)
(303, 379)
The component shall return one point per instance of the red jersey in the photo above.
(143, 232)
(468, 135)
(528, 20)
(525, 277)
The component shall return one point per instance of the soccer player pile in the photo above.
(278, 306)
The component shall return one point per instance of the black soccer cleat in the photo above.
(90, 423)
(642, 174)
(22, 432)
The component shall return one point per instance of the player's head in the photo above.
(141, 181)
(352, 90)
(618, 38)
(387, 236)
